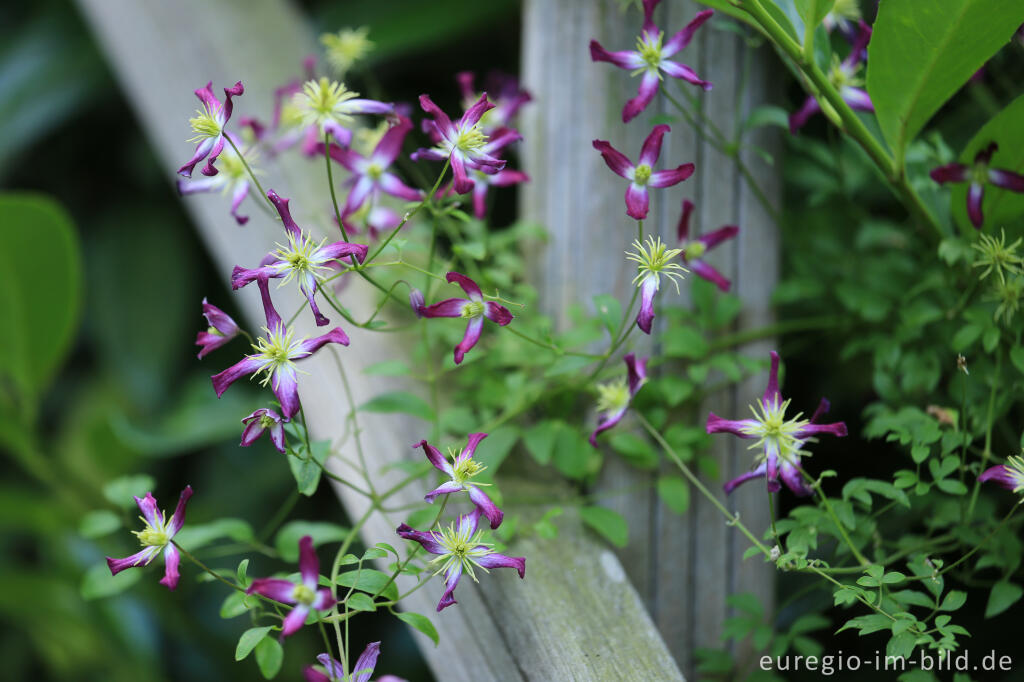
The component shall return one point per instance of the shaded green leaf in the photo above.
(248, 641)
(608, 523)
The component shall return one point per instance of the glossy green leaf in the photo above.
(813, 11)
(1003, 596)
(400, 401)
(675, 493)
(370, 580)
(421, 623)
(269, 656)
(193, 536)
(608, 523)
(923, 51)
(248, 641)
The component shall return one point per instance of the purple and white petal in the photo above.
(684, 72)
(141, 558)
(469, 286)
(1006, 179)
(177, 519)
(486, 506)
(743, 478)
(450, 307)
(426, 540)
(366, 663)
(975, 196)
(644, 319)
(792, 476)
(498, 314)
(435, 457)
(171, 561)
(951, 172)
(671, 176)
(273, 588)
(645, 94)
(710, 273)
(637, 201)
(248, 365)
(451, 582)
(446, 488)
(737, 427)
(607, 421)
(716, 237)
(625, 59)
(294, 620)
(683, 228)
(495, 560)
(651, 149)
(615, 159)
(469, 339)
(681, 39)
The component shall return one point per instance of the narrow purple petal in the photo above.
(273, 318)
(607, 421)
(794, 480)
(357, 195)
(835, 429)
(435, 457)
(444, 124)
(253, 429)
(286, 389)
(716, 424)
(772, 466)
(196, 186)
(178, 517)
(480, 199)
(951, 172)
(475, 112)
(218, 147)
(446, 488)
(323, 599)
(469, 286)
(669, 177)
(237, 197)
(497, 313)
(1006, 179)
(636, 373)
(462, 183)
(241, 277)
(140, 558)
(202, 149)
(248, 365)
(310, 346)
(716, 237)
(502, 561)
(486, 506)
(273, 588)
(309, 564)
(648, 89)
(626, 59)
(294, 620)
(472, 442)
(1000, 475)
(390, 184)
(743, 478)
(985, 155)
(367, 661)
(651, 149)
(171, 560)
(684, 72)
(771, 391)
(798, 119)
(683, 228)
(467, 523)
(858, 99)
(646, 315)
(975, 195)
(681, 39)
(150, 511)
(339, 250)
(346, 157)
(451, 582)
(425, 539)
(710, 273)
(637, 201)
(451, 307)
(469, 339)
(281, 204)
(615, 159)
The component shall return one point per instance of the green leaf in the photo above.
(388, 368)
(400, 401)
(953, 601)
(322, 532)
(248, 641)
(241, 573)
(684, 342)
(675, 493)
(121, 490)
(573, 455)
(1003, 596)
(1017, 358)
(922, 52)
(609, 524)
(194, 536)
(965, 336)
(952, 487)
(40, 290)
(609, 310)
(999, 206)
(234, 605)
(97, 582)
(493, 450)
(813, 11)
(634, 449)
(357, 601)
(269, 656)
(767, 115)
(540, 440)
(98, 523)
(370, 580)
(421, 623)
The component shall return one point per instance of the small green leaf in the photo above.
(121, 490)
(269, 656)
(370, 580)
(357, 601)
(421, 623)
(241, 573)
(97, 582)
(248, 641)
(402, 402)
(1003, 595)
(634, 449)
(98, 523)
(540, 439)
(953, 601)
(607, 523)
(674, 492)
(609, 310)
(195, 536)
(1017, 358)
(767, 115)
(813, 11)
(234, 605)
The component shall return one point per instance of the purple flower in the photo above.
(208, 125)
(364, 667)
(844, 78)
(369, 175)
(614, 398)
(653, 261)
(651, 58)
(258, 422)
(325, 106)
(275, 356)
(1009, 475)
(304, 595)
(694, 250)
(474, 309)
(483, 181)
(156, 536)
(221, 330)
(779, 439)
(302, 259)
(459, 549)
(642, 174)
(232, 179)
(462, 142)
(460, 471)
(979, 174)
(509, 98)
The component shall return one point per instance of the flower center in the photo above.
(472, 309)
(323, 100)
(470, 139)
(206, 123)
(154, 535)
(997, 256)
(1015, 466)
(462, 548)
(613, 396)
(465, 470)
(642, 174)
(276, 350)
(694, 250)
(303, 595)
(266, 421)
(649, 47)
(374, 171)
(345, 48)
(774, 429)
(301, 258)
(654, 259)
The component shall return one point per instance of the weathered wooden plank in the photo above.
(575, 617)
(683, 566)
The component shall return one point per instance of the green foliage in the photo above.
(607, 523)
(287, 540)
(400, 402)
(421, 623)
(370, 580)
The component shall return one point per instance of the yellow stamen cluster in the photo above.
(276, 349)
(301, 258)
(472, 309)
(613, 396)
(303, 595)
(346, 47)
(323, 100)
(470, 139)
(650, 50)
(465, 470)
(205, 124)
(656, 259)
(154, 535)
(775, 430)
(996, 256)
(463, 549)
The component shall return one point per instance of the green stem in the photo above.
(249, 170)
(987, 452)
(330, 184)
(191, 557)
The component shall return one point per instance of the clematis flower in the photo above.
(845, 16)
(1009, 475)
(232, 179)
(482, 181)
(208, 125)
(156, 537)
(369, 175)
(474, 309)
(221, 330)
(262, 420)
(979, 174)
(509, 98)
(364, 667)
(844, 78)
(346, 47)
(462, 142)
(614, 398)
(651, 58)
(694, 250)
(460, 471)
(328, 106)
(305, 595)
(642, 174)
(459, 548)
(275, 357)
(301, 259)
(779, 439)
(653, 261)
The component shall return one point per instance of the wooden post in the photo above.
(684, 567)
(576, 616)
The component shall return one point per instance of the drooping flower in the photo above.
(346, 47)
(651, 58)
(483, 181)
(304, 595)
(221, 329)
(232, 179)
(301, 259)
(474, 309)
(155, 538)
(209, 127)
(508, 98)
(844, 77)
(275, 357)
(361, 672)
(978, 175)
(780, 440)
(461, 471)
(369, 175)
(329, 107)
(462, 142)
(653, 261)
(262, 420)
(460, 548)
(642, 174)
(694, 249)
(1009, 475)
(614, 398)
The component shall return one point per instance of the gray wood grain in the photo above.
(684, 567)
(575, 617)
